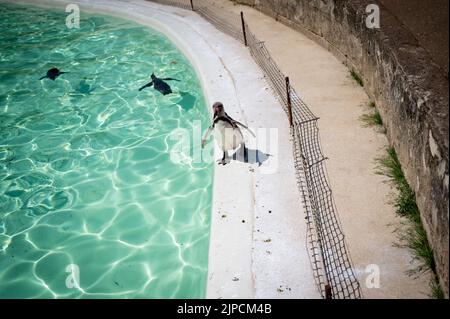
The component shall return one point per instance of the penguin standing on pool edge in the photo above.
(227, 133)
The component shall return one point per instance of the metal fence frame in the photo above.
(330, 260)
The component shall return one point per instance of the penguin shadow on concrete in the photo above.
(251, 156)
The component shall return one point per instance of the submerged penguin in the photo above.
(52, 74)
(227, 133)
(159, 84)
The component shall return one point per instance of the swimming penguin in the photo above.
(52, 74)
(159, 84)
(226, 132)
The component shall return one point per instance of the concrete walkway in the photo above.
(361, 196)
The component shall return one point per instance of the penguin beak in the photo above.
(216, 111)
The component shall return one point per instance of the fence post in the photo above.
(243, 28)
(328, 292)
(289, 103)
(192, 5)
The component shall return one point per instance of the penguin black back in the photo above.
(52, 74)
(159, 84)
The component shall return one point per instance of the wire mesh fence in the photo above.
(330, 260)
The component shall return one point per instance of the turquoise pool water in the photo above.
(85, 172)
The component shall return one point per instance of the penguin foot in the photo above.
(223, 161)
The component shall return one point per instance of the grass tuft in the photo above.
(357, 77)
(414, 236)
(389, 166)
(436, 290)
(405, 200)
(416, 240)
(372, 119)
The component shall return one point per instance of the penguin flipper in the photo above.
(244, 126)
(146, 86)
(208, 132)
(43, 77)
(240, 124)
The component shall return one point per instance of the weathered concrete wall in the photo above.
(410, 90)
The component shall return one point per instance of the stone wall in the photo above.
(409, 88)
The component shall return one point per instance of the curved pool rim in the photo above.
(183, 29)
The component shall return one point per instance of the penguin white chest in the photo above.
(227, 137)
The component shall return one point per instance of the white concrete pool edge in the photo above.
(253, 253)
